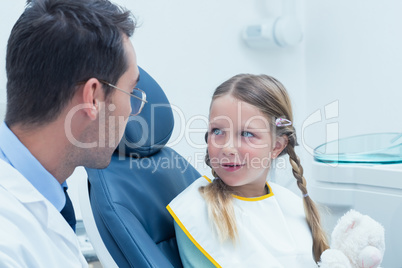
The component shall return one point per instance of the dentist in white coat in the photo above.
(61, 113)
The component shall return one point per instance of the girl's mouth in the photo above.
(230, 167)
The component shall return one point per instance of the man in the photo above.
(69, 64)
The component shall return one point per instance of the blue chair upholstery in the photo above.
(130, 196)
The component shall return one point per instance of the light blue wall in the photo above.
(9, 13)
(354, 56)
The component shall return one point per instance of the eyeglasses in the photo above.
(139, 98)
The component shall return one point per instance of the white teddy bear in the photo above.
(356, 242)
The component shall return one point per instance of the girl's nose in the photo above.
(230, 148)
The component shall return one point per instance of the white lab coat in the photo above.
(32, 231)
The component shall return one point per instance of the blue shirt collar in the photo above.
(17, 155)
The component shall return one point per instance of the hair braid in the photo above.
(219, 199)
(320, 243)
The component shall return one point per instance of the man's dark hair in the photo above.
(56, 44)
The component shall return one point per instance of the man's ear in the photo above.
(280, 144)
(92, 95)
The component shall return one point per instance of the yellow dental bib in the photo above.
(272, 230)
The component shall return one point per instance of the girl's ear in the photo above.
(280, 144)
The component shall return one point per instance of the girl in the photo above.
(239, 219)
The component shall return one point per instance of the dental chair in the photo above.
(129, 197)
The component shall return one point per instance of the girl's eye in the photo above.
(247, 134)
(216, 131)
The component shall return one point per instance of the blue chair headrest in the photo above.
(149, 131)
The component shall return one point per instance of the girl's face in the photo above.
(240, 145)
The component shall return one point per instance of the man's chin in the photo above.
(99, 164)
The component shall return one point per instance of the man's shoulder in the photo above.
(7, 170)
(10, 206)
(26, 237)
(14, 216)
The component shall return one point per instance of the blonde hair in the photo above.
(271, 98)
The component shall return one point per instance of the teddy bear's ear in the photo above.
(351, 225)
(354, 222)
(349, 221)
